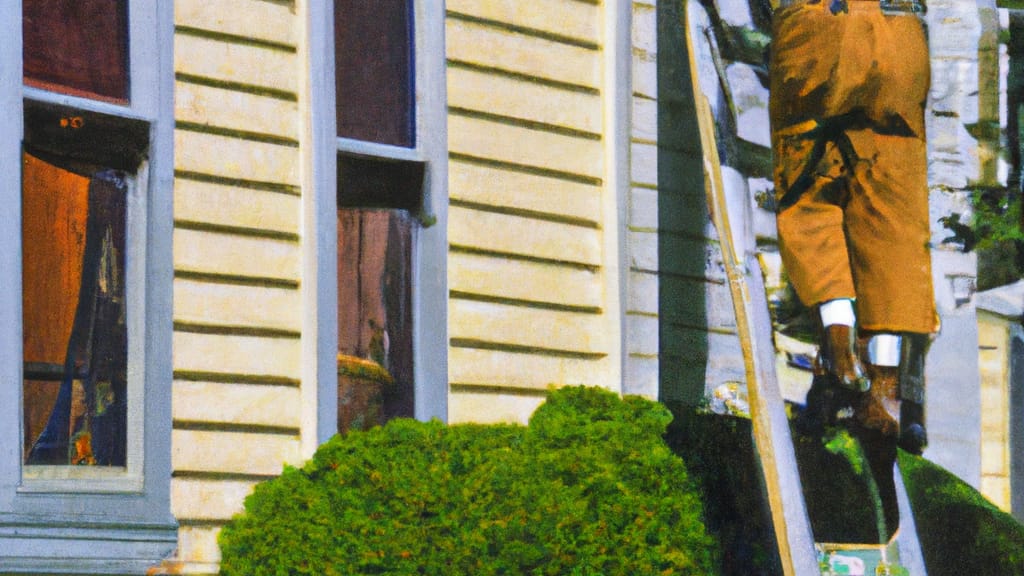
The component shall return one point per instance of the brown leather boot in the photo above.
(879, 409)
(841, 356)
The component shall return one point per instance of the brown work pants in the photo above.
(848, 92)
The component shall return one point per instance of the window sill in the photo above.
(79, 479)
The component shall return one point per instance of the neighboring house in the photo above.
(342, 212)
(1001, 355)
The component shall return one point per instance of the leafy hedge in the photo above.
(960, 531)
(588, 488)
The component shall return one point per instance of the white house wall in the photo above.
(528, 222)
(237, 404)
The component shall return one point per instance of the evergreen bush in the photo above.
(588, 488)
(960, 531)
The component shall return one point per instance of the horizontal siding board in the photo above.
(198, 544)
(198, 302)
(684, 215)
(689, 257)
(518, 190)
(644, 253)
(211, 252)
(242, 404)
(695, 303)
(495, 47)
(992, 361)
(193, 499)
(525, 236)
(641, 334)
(268, 21)
(491, 408)
(576, 20)
(643, 208)
(232, 62)
(229, 157)
(644, 164)
(645, 74)
(643, 292)
(250, 355)
(232, 452)
(725, 359)
(223, 205)
(235, 110)
(642, 377)
(515, 98)
(538, 282)
(516, 370)
(645, 28)
(688, 353)
(525, 146)
(645, 119)
(519, 326)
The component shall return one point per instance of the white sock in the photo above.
(838, 311)
(884, 350)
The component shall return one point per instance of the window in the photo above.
(84, 440)
(391, 171)
(374, 82)
(74, 311)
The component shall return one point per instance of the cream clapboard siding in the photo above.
(237, 258)
(680, 327)
(642, 282)
(527, 162)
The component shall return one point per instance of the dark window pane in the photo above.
(375, 379)
(374, 79)
(77, 46)
(365, 182)
(86, 137)
(73, 311)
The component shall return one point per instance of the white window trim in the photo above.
(430, 256)
(430, 239)
(377, 150)
(79, 520)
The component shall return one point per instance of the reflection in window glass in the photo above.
(374, 77)
(375, 371)
(73, 307)
(77, 46)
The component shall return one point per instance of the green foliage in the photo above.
(720, 455)
(589, 488)
(994, 231)
(960, 531)
(841, 442)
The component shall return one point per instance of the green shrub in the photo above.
(588, 488)
(960, 531)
